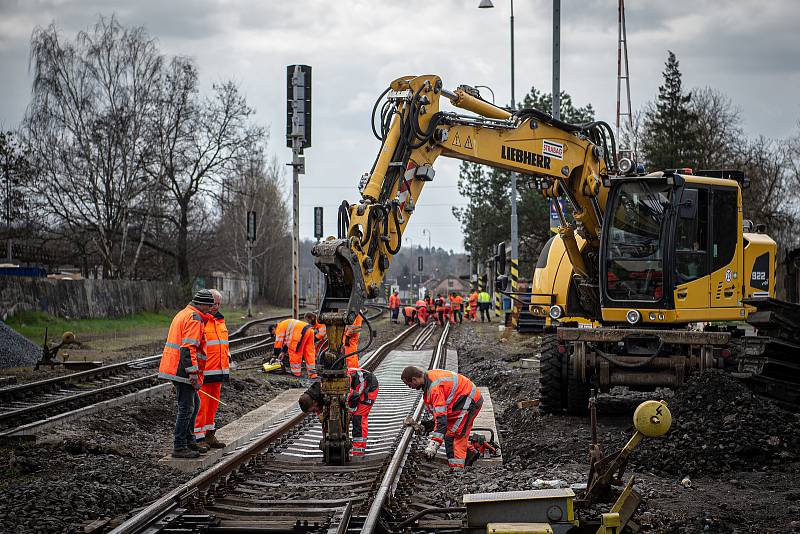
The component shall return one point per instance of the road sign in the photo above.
(318, 222)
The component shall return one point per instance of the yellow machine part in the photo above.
(269, 367)
(652, 418)
(518, 528)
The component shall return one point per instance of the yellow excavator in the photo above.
(644, 255)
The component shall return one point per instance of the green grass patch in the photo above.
(32, 324)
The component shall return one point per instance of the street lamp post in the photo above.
(513, 192)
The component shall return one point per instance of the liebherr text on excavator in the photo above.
(642, 255)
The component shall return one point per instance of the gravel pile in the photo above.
(16, 350)
(720, 426)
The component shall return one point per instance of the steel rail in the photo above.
(243, 353)
(389, 481)
(228, 466)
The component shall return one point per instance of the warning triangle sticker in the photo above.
(456, 140)
(468, 143)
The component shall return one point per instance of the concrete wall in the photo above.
(81, 299)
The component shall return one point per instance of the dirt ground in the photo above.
(106, 464)
(740, 453)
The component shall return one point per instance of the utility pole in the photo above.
(623, 74)
(298, 137)
(557, 59)
(251, 239)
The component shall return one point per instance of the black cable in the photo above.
(374, 109)
(343, 219)
(357, 351)
(393, 251)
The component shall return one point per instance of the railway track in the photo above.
(278, 483)
(26, 408)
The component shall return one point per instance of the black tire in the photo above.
(577, 393)
(551, 384)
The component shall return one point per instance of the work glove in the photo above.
(430, 450)
(194, 381)
(409, 421)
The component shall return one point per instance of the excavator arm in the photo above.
(558, 159)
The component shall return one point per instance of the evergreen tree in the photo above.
(569, 113)
(670, 138)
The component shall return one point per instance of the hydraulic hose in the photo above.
(357, 351)
(626, 365)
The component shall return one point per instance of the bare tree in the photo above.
(199, 142)
(258, 186)
(88, 130)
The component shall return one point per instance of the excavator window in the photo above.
(726, 218)
(691, 242)
(635, 252)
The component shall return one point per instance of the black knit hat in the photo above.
(203, 296)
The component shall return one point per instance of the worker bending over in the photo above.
(360, 399)
(182, 363)
(422, 312)
(217, 371)
(410, 314)
(454, 402)
(350, 340)
(295, 339)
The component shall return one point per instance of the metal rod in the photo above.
(557, 59)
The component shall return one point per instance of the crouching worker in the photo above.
(360, 399)
(295, 339)
(454, 402)
(410, 315)
(217, 371)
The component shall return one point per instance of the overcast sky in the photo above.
(749, 49)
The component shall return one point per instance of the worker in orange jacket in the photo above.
(440, 309)
(295, 339)
(456, 302)
(360, 399)
(182, 362)
(350, 340)
(454, 402)
(473, 306)
(394, 305)
(320, 333)
(422, 312)
(217, 371)
(410, 314)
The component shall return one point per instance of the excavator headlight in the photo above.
(556, 311)
(625, 165)
(633, 316)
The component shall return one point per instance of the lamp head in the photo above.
(485, 4)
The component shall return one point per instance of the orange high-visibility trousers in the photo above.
(456, 439)
(306, 351)
(208, 409)
(360, 420)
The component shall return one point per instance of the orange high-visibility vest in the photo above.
(447, 397)
(408, 311)
(183, 352)
(352, 335)
(456, 302)
(217, 350)
(473, 299)
(394, 302)
(289, 333)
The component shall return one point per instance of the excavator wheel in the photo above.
(578, 393)
(551, 386)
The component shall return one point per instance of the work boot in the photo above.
(212, 441)
(199, 446)
(184, 452)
